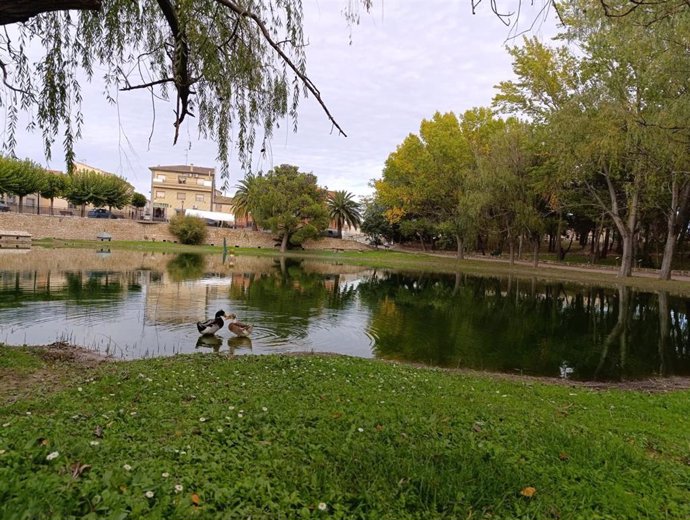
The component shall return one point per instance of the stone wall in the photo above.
(80, 228)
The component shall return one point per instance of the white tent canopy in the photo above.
(226, 218)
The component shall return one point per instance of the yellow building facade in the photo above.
(179, 187)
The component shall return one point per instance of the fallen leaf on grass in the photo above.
(528, 492)
(563, 456)
(78, 468)
(196, 500)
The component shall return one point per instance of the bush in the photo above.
(188, 230)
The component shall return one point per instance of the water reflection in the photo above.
(133, 304)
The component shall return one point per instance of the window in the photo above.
(159, 178)
(160, 194)
(200, 198)
(200, 182)
(182, 179)
(181, 196)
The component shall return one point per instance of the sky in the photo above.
(406, 60)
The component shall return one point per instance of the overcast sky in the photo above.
(407, 59)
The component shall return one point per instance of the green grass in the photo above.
(273, 437)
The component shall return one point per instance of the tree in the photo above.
(240, 202)
(290, 203)
(86, 187)
(234, 66)
(344, 210)
(8, 177)
(375, 225)
(20, 178)
(54, 185)
(139, 201)
(117, 192)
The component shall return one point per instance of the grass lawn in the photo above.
(278, 437)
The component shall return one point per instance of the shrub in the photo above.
(188, 230)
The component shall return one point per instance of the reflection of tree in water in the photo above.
(510, 325)
(186, 266)
(290, 296)
(76, 286)
(94, 287)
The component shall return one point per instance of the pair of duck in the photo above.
(215, 324)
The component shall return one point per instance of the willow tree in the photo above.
(237, 67)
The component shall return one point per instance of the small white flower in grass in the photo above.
(148, 494)
(322, 506)
(2, 452)
(220, 430)
(264, 409)
(6, 425)
(79, 389)
(202, 419)
(28, 413)
(132, 413)
(165, 474)
(360, 430)
(53, 455)
(94, 443)
(178, 488)
(240, 415)
(231, 407)
(127, 467)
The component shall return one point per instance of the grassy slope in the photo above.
(274, 436)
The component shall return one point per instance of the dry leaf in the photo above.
(195, 499)
(563, 456)
(78, 468)
(528, 492)
(379, 427)
(98, 432)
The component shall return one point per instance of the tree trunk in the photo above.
(284, 243)
(52, 201)
(559, 233)
(340, 229)
(535, 253)
(511, 245)
(21, 204)
(459, 241)
(13, 11)
(679, 202)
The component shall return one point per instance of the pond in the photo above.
(135, 304)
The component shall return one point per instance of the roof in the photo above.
(183, 168)
(221, 199)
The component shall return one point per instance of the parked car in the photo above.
(4, 207)
(100, 213)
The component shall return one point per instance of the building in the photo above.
(174, 188)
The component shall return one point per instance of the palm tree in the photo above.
(240, 202)
(344, 210)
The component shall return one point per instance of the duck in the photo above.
(239, 329)
(213, 325)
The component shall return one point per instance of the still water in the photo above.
(133, 305)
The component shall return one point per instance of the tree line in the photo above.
(24, 177)
(592, 136)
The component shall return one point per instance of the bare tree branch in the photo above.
(267, 36)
